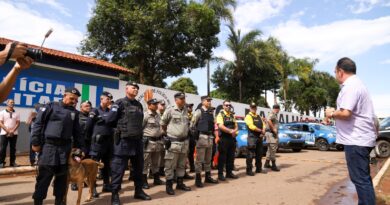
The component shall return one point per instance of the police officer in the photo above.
(272, 138)
(153, 143)
(175, 123)
(85, 109)
(101, 135)
(54, 127)
(160, 110)
(192, 141)
(203, 124)
(127, 115)
(228, 130)
(256, 130)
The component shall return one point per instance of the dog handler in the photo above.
(55, 126)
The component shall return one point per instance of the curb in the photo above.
(381, 172)
(17, 170)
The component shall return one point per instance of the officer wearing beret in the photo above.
(272, 138)
(153, 143)
(256, 131)
(175, 123)
(55, 126)
(101, 135)
(192, 144)
(203, 124)
(127, 116)
(160, 110)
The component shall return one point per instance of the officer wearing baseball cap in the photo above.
(54, 139)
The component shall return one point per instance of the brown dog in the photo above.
(80, 171)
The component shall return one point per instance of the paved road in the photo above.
(304, 178)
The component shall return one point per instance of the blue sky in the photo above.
(323, 29)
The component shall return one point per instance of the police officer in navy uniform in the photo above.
(127, 115)
(54, 127)
(102, 138)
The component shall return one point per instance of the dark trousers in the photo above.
(45, 175)
(12, 148)
(118, 167)
(226, 149)
(256, 153)
(358, 162)
(191, 150)
(104, 153)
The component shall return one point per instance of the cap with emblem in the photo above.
(73, 91)
(152, 101)
(132, 83)
(253, 105)
(107, 94)
(87, 101)
(162, 102)
(205, 97)
(180, 95)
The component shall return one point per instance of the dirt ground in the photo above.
(383, 189)
(304, 178)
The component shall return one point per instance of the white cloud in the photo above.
(90, 7)
(387, 61)
(298, 14)
(381, 104)
(331, 41)
(363, 6)
(249, 13)
(55, 5)
(224, 53)
(30, 27)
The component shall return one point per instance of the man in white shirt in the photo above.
(9, 123)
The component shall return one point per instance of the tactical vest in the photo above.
(83, 122)
(206, 121)
(258, 123)
(228, 121)
(60, 123)
(101, 128)
(130, 123)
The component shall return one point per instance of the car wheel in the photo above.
(297, 150)
(382, 148)
(322, 145)
(340, 147)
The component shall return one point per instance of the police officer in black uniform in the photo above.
(56, 124)
(102, 138)
(127, 114)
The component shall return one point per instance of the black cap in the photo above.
(180, 95)
(152, 101)
(73, 91)
(87, 101)
(190, 104)
(252, 105)
(132, 84)
(276, 106)
(162, 102)
(107, 94)
(205, 97)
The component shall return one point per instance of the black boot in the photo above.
(221, 177)
(157, 181)
(59, 201)
(249, 172)
(274, 167)
(38, 202)
(106, 188)
(140, 194)
(169, 188)
(210, 180)
(231, 175)
(259, 169)
(198, 180)
(145, 181)
(187, 176)
(115, 198)
(74, 187)
(181, 186)
(95, 194)
(266, 164)
(161, 172)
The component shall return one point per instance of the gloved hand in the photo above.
(167, 143)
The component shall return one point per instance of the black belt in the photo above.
(58, 142)
(177, 139)
(154, 139)
(206, 133)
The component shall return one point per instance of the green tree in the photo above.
(155, 38)
(221, 8)
(184, 85)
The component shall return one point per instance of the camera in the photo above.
(34, 53)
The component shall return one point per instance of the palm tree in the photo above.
(221, 8)
(241, 48)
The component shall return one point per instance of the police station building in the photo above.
(47, 79)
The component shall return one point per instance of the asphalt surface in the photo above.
(305, 178)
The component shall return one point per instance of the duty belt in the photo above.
(154, 139)
(177, 139)
(58, 142)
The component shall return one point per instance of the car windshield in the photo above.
(241, 125)
(323, 127)
(384, 123)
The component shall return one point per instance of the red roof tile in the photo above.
(75, 57)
